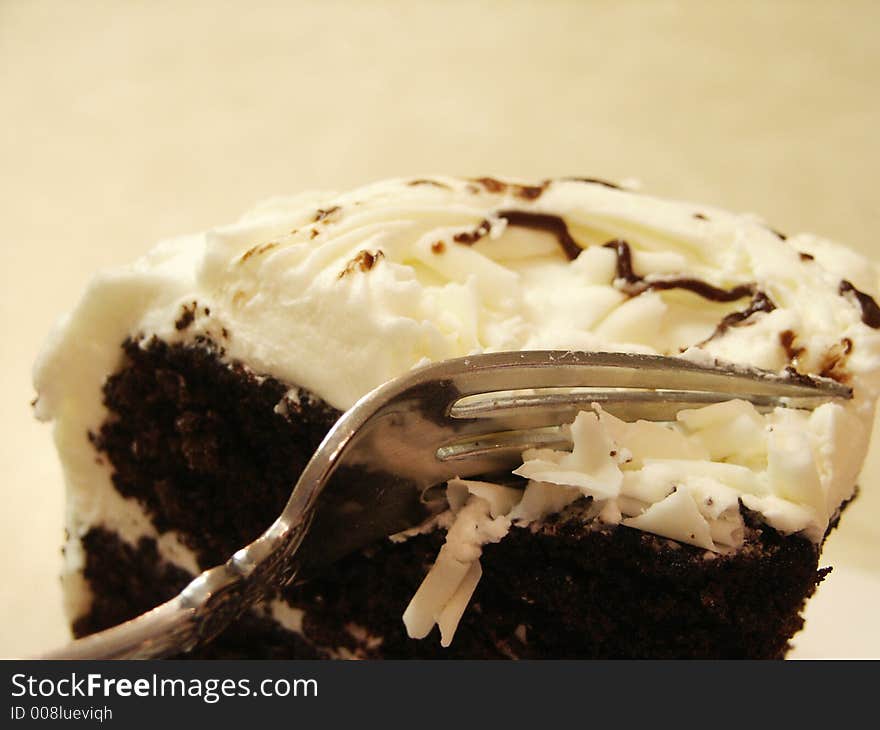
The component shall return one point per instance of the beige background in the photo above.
(123, 122)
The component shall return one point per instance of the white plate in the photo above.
(841, 618)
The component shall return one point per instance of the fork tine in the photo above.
(536, 410)
(499, 451)
(547, 369)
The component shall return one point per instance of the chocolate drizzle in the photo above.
(531, 192)
(632, 283)
(491, 184)
(787, 339)
(544, 222)
(635, 284)
(526, 192)
(593, 180)
(834, 361)
(471, 237)
(364, 260)
(322, 215)
(426, 181)
(870, 310)
(760, 303)
(257, 250)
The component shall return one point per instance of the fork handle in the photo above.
(165, 630)
(208, 604)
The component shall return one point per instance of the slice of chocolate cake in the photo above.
(189, 389)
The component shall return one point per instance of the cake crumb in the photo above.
(187, 316)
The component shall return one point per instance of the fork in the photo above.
(373, 472)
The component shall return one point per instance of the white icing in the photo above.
(278, 290)
(289, 617)
(675, 516)
(593, 465)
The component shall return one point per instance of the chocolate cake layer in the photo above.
(563, 592)
(570, 592)
(204, 448)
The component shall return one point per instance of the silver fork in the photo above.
(371, 475)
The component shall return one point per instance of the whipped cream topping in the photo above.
(340, 293)
(379, 280)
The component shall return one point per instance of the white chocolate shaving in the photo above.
(444, 594)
